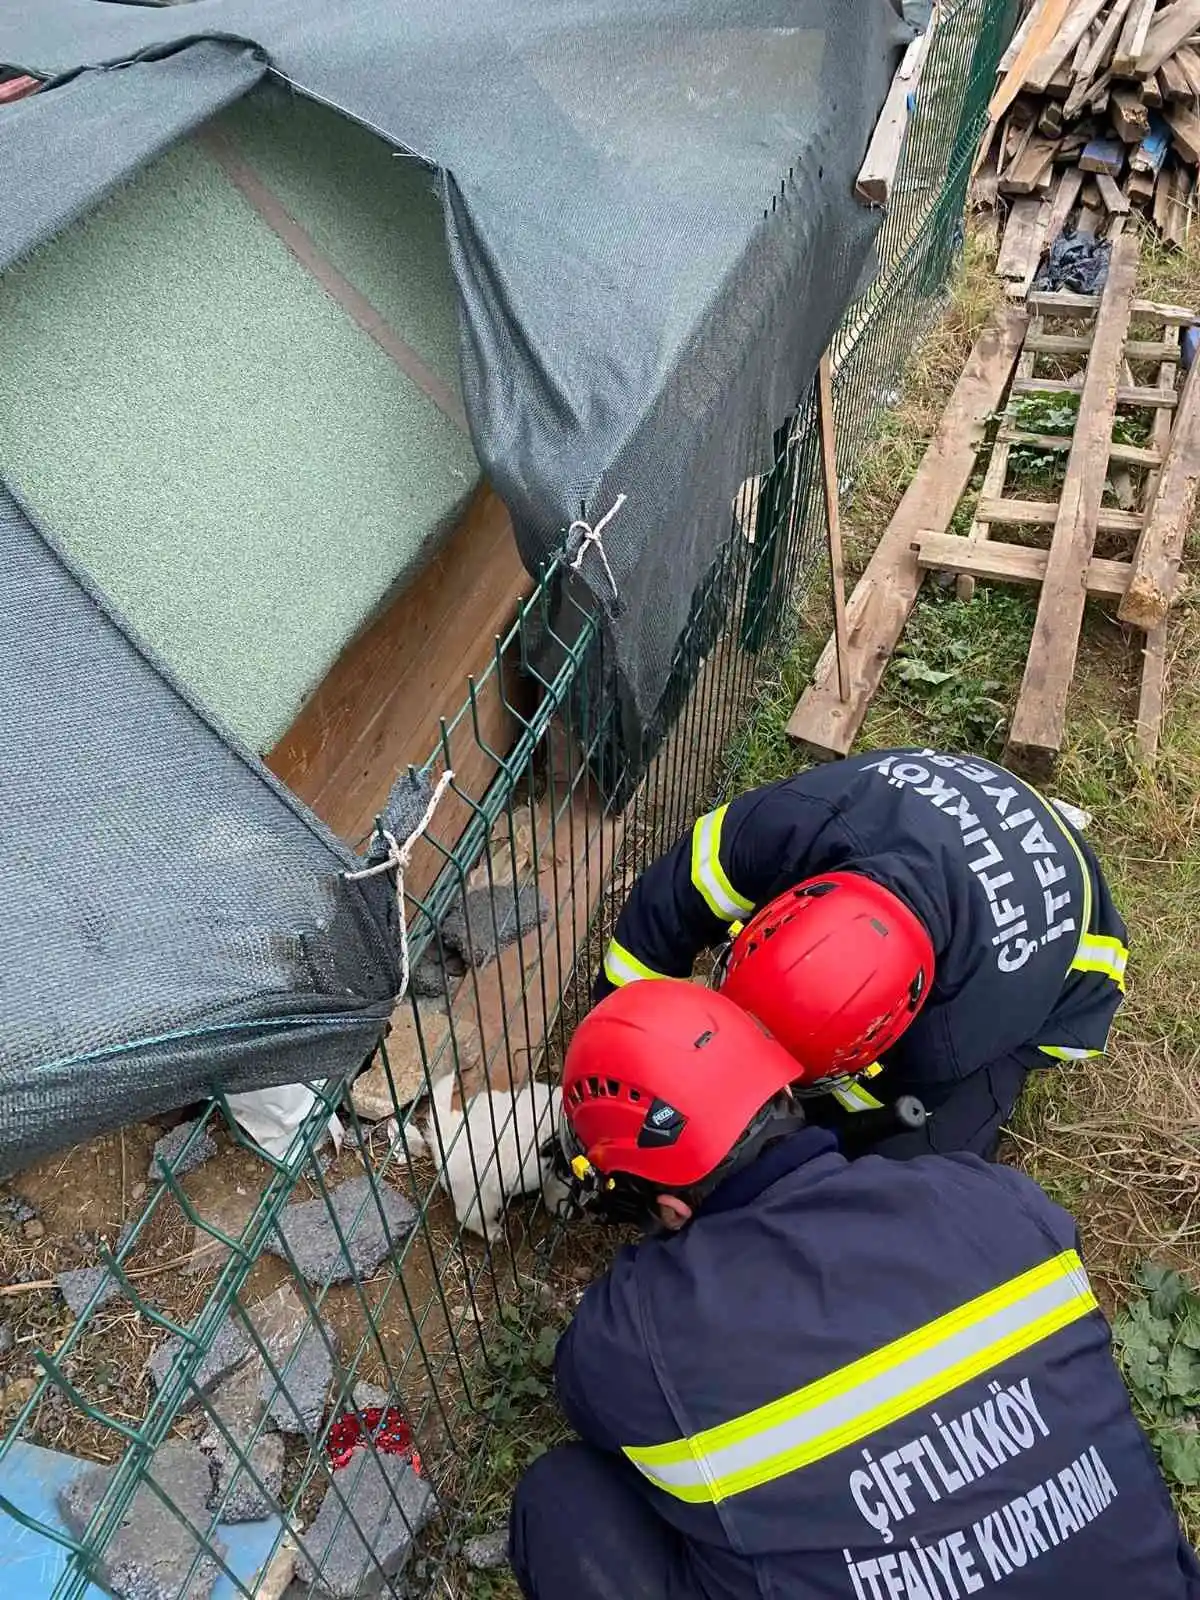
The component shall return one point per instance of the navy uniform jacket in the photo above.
(875, 1381)
(1029, 948)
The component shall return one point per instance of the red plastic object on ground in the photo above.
(18, 88)
(386, 1430)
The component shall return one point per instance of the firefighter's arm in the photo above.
(715, 876)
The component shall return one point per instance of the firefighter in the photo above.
(919, 930)
(868, 1380)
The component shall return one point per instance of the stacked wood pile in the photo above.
(1096, 116)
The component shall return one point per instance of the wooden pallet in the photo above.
(1138, 567)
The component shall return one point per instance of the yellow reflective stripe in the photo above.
(621, 966)
(1100, 952)
(873, 1392)
(708, 875)
(853, 1097)
(1066, 1052)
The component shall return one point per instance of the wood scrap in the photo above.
(1156, 559)
(833, 521)
(1091, 85)
(884, 595)
(1111, 194)
(1021, 247)
(1036, 731)
(883, 153)
(1152, 695)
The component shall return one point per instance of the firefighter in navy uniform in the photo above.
(822, 1380)
(919, 930)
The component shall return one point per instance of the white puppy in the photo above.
(491, 1149)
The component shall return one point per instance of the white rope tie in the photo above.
(397, 859)
(591, 536)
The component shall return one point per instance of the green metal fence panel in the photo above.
(239, 1452)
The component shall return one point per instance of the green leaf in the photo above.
(1183, 1375)
(919, 672)
(1189, 1327)
(1165, 1288)
(544, 1347)
(1142, 1341)
(1179, 1452)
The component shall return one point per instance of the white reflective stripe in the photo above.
(853, 1097)
(708, 875)
(1066, 1052)
(838, 1411)
(621, 966)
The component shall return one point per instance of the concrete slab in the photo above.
(78, 1284)
(361, 1537)
(168, 1152)
(228, 1350)
(311, 1239)
(484, 921)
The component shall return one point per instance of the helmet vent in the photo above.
(614, 1087)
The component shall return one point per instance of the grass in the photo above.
(1118, 1140)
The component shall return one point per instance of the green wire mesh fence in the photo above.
(286, 1380)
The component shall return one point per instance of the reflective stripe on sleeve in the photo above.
(708, 875)
(852, 1096)
(621, 966)
(1066, 1052)
(1101, 953)
(873, 1392)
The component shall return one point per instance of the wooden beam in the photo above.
(1127, 395)
(885, 593)
(1040, 35)
(1188, 62)
(1015, 513)
(378, 707)
(1024, 238)
(1063, 203)
(992, 560)
(1152, 693)
(1103, 155)
(1160, 548)
(1133, 39)
(1130, 119)
(1171, 28)
(1036, 732)
(1066, 39)
(1132, 455)
(1174, 80)
(1185, 132)
(1069, 344)
(1110, 192)
(1030, 169)
(1065, 302)
(1101, 51)
(833, 521)
(883, 153)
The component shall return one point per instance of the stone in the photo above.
(307, 1230)
(152, 1550)
(370, 1397)
(274, 1579)
(15, 1209)
(236, 1495)
(511, 856)
(435, 975)
(168, 1152)
(469, 927)
(7, 1338)
(228, 1350)
(79, 1284)
(295, 1402)
(407, 1051)
(374, 1497)
(34, 1229)
(487, 1550)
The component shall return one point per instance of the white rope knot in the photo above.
(589, 536)
(397, 859)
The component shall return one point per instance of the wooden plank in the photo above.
(994, 478)
(1185, 132)
(1133, 39)
(1105, 42)
(1152, 692)
(1024, 237)
(833, 522)
(1050, 120)
(1127, 395)
(1152, 94)
(1044, 514)
(378, 707)
(1026, 171)
(1152, 152)
(883, 153)
(1110, 192)
(1174, 80)
(1083, 92)
(1178, 209)
(1016, 43)
(885, 593)
(1188, 62)
(1070, 344)
(1171, 28)
(1036, 732)
(1065, 195)
(1139, 186)
(1041, 33)
(1130, 119)
(1159, 550)
(1103, 155)
(1133, 455)
(1079, 19)
(996, 562)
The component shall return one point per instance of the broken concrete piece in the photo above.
(487, 1550)
(151, 1553)
(370, 1397)
(484, 921)
(237, 1495)
(168, 1152)
(228, 1350)
(373, 1510)
(79, 1284)
(436, 974)
(295, 1402)
(509, 856)
(307, 1230)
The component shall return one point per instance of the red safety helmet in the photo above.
(836, 969)
(662, 1080)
